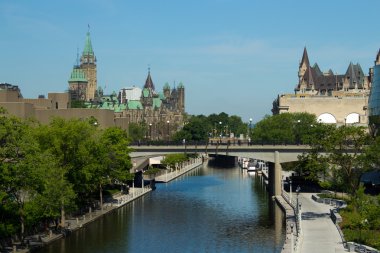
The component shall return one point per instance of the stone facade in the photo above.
(83, 81)
(44, 109)
(333, 98)
(161, 112)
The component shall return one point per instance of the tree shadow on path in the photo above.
(314, 216)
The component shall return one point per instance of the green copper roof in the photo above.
(123, 106)
(161, 96)
(181, 86)
(105, 105)
(166, 86)
(134, 104)
(117, 108)
(146, 92)
(157, 103)
(88, 46)
(77, 75)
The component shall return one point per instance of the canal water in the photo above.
(211, 209)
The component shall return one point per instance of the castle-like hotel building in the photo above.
(333, 98)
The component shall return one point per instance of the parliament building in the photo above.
(161, 112)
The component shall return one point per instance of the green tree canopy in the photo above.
(284, 128)
(109, 160)
(200, 127)
(137, 131)
(342, 149)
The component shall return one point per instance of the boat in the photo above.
(252, 165)
(261, 165)
(243, 162)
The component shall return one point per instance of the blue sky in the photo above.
(233, 56)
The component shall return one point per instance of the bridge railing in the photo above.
(297, 215)
(214, 142)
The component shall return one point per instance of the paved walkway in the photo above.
(319, 232)
(165, 178)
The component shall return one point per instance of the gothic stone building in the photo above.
(160, 112)
(83, 82)
(333, 98)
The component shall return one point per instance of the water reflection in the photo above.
(211, 209)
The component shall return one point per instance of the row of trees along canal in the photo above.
(338, 158)
(196, 129)
(47, 170)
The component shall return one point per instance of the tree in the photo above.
(137, 131)
(196, 129)
(20, 176)
(56, 194)
(200, 127)
(342, 149)
(69, 142)
(172, 160)
(284, 128)
(110, 161)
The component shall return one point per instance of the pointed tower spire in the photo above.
(304, 66)
(88, 65)
(149, 83)
(88, 45)
(305, 58)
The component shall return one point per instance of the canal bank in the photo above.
(169, 176)
(117, 201)
(293, 230)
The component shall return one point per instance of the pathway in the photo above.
(167, 177)
(319, 232)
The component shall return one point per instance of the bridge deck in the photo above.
(266, 152)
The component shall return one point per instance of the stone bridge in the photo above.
(288, 153)
(274, 155)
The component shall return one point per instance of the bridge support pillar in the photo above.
(275, 171)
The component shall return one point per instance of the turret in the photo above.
(77, 84)
(181, 97)
(88, 65)
(166, 90)
(304, 65)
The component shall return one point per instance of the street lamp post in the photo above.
(221, 131)
(291, 238)
(298, 192)
(168, 129)
(290, 195)
(249, 131)
(298, 132)
(150, 131)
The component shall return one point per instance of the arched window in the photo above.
(352, 118)
(326, 118)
